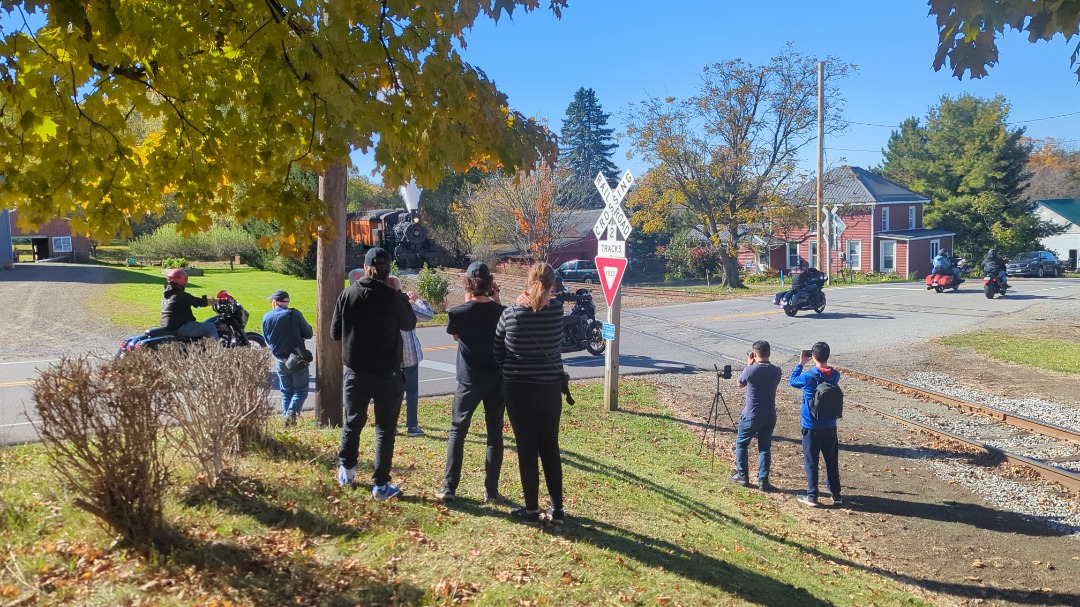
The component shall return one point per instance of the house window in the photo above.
(854, 254)
(792, 254)
(888, 256)
(762, 261)
(884, 219)
(935, 247)
(61, 244)
(911, 218)
(813, 254)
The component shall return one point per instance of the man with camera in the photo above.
(758, 419)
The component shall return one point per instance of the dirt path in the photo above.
(45, 311)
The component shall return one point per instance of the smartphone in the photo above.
(808, 353)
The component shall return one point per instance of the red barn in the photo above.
(53, 239)
(879, 228)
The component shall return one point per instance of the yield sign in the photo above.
(611, 272)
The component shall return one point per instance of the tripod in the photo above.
(714, 412)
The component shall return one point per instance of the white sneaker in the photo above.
(345, 476)
(385, 492)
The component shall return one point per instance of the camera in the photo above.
(749, 353)
(726, 373)
(808, 353)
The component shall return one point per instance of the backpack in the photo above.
(827, 402)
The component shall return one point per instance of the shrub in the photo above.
(433, 287)
(174, 262)
(690, 258)
(222, 401)
(220, 242)
(100, 425)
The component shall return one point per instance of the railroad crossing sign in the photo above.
(838, 225)
(613, 220)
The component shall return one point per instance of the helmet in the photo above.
(802, 265)
(177, 277)
(944, 253)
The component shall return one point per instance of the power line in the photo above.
(896, 126)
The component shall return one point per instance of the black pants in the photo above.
(535, 411)
(358, 390)
(466, 399)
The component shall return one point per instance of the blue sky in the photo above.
(630, 50)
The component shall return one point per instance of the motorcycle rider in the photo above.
(992, 264)
(943, 264)
(176, 304)
(572, 325)
(808, 279)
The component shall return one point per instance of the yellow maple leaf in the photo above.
(45, 128)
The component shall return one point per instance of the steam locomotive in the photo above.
(399, 231)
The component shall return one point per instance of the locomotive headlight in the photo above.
(416, 219)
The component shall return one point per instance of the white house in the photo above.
(1065, 212)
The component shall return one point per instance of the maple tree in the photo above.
(1054, 170)
(968, 29)
(241, 93)
(726, 155)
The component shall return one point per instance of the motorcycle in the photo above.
(992, 285)
(581, 330)
(798, 299)
(946, 280)
(231, 320)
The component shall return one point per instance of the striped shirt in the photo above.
(528, 344)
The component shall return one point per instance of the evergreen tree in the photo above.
(585, 144)
(972, 167)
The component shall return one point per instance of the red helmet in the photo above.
(177, 277)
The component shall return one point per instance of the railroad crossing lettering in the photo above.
(613, 218)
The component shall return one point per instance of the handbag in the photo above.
(300, 356)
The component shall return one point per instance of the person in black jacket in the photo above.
(176, 304)
(368, 320)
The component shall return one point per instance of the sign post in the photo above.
(611, 264)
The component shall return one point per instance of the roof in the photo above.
(1067, 208)
(854, 185)
(915, 234)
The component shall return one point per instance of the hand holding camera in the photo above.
(750, 357)
(806, 356)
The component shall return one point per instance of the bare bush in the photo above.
(100, 422)
(221, 401)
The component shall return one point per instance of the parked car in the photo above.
(579, 270)
(1034, 263)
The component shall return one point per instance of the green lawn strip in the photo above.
(1042, 352)
(134, 300)
(649, 518)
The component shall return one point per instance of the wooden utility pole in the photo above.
(820, 154)
(330, 281)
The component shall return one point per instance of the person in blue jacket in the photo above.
(818, 435)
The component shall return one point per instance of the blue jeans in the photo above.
(294, 388)
(749, 427)
(195, 329)
(825, 443)
(412, 395)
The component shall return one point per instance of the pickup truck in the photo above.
(1034, 263)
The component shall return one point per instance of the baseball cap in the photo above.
(376, 256)
(279, 296)
(478, 270)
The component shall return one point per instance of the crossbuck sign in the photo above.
(613, 220)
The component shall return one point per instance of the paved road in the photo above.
(859, 320)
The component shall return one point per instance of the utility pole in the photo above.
(330, 281)
(820, 156)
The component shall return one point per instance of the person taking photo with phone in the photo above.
(761, 379)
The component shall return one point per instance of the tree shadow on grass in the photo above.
(272, 572)
(247, 497)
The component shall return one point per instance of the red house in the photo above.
(878, 227)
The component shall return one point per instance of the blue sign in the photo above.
(609, 331)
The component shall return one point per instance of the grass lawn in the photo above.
(134, 300)
(651, 522)
(1042, 352)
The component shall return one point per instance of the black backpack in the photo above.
(827, 402)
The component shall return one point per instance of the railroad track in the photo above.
(1066, 439)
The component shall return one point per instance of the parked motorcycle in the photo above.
(231, 320)
(992, 285)
(946, 280)
(799, 299)
(581, 330)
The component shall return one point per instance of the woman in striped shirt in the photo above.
(528, 342)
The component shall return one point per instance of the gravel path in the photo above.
(45, 311)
